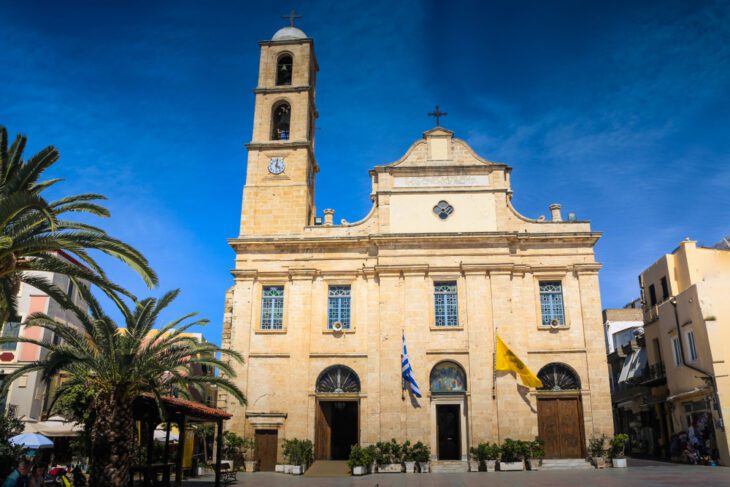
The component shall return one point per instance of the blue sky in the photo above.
(619, 111)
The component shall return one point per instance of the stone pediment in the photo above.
(439, 148)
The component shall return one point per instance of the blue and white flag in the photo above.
(407, 371)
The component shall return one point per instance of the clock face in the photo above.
(276, 165)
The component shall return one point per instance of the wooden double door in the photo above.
(266, 445)
(448, 423)
(337, 428)
(560, 425)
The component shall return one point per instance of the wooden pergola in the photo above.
(182, 412)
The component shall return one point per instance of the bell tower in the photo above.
(278, 197)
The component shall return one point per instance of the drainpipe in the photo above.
(713, 383)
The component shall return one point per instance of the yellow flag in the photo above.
(507, 360)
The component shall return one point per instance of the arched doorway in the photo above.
(560, 412)
(337, 424)
(447, 383)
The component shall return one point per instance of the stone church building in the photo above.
(318, 309)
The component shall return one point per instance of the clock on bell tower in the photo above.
(278, 197)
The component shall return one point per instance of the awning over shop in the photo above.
(54, 427)
(696, 391)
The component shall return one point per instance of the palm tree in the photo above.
(119, 364)
(33, 231)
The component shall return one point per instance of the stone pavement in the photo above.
(641, 473)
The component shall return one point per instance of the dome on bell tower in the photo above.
(289, 34)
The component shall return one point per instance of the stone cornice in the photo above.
(445, 168)
(420, 238)
(279, 144)
(282, 89)
(587, 268)
(306, 40)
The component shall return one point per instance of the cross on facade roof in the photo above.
(292, 16)
(438, 114)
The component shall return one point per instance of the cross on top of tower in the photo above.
(292, 16)
(438, 114)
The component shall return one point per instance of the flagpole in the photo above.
(494, 381)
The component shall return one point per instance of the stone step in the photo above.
(449, 466)
(565, 464)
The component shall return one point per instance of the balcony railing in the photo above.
(654, 374)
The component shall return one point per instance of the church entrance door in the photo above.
(449, 431)
(266, 444)
(560, 424)
(337, 429)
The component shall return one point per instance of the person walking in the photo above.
(37, 476)
(19, 476)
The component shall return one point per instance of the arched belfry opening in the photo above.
(337, 425)
(560, 411)
(284, 70)
(281, 117)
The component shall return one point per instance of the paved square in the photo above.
(641, 473)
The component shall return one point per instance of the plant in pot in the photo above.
(306, 454)
(511, 455)
(491, 456)
(233, 449)
(409, 458)
(422, 455)
(618, 450)
(535, 453)
(597, 449)
(293, 454)
(248, 446)
(390, 457)
(475, 458)
(371, 455)
(357, 461)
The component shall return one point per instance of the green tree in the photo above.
(9, 454)
(33, 230)
(120, 364)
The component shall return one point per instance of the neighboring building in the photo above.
(29, 396)
(318, 310)
(634, 413)
(687, 328)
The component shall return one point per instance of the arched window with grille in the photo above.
(558, 377)
(338, 379)
(281, 116)
(284, 67)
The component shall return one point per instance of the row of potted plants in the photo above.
(601, 449)
(389, 457)
(299, 456)
(510, 455)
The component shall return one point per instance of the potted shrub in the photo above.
(306, 454)
(390, 457)
(409, 458)
(289, 446)
(422, 455)
(511, 456)
(618, 447)
(535, 453)
(475, 457)
(233, 449)
(357, 461)
(491, 455)
(371, 458)
(596, 447)
(249, 450)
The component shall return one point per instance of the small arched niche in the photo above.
(557, 376)
(447, 378)
(284, 70)
(280, 119)
(338, 379)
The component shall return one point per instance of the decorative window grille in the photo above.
(446, 304)
(272, 308)
(677, 351)
(443, 209)
(10, 330)
(558, 377)
(691, 346)
(339, 306)
(551, 302)
(338, 379)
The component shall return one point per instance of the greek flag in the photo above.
(407, 371)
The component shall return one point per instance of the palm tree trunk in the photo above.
(111, 440)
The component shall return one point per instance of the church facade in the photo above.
(319, 309)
